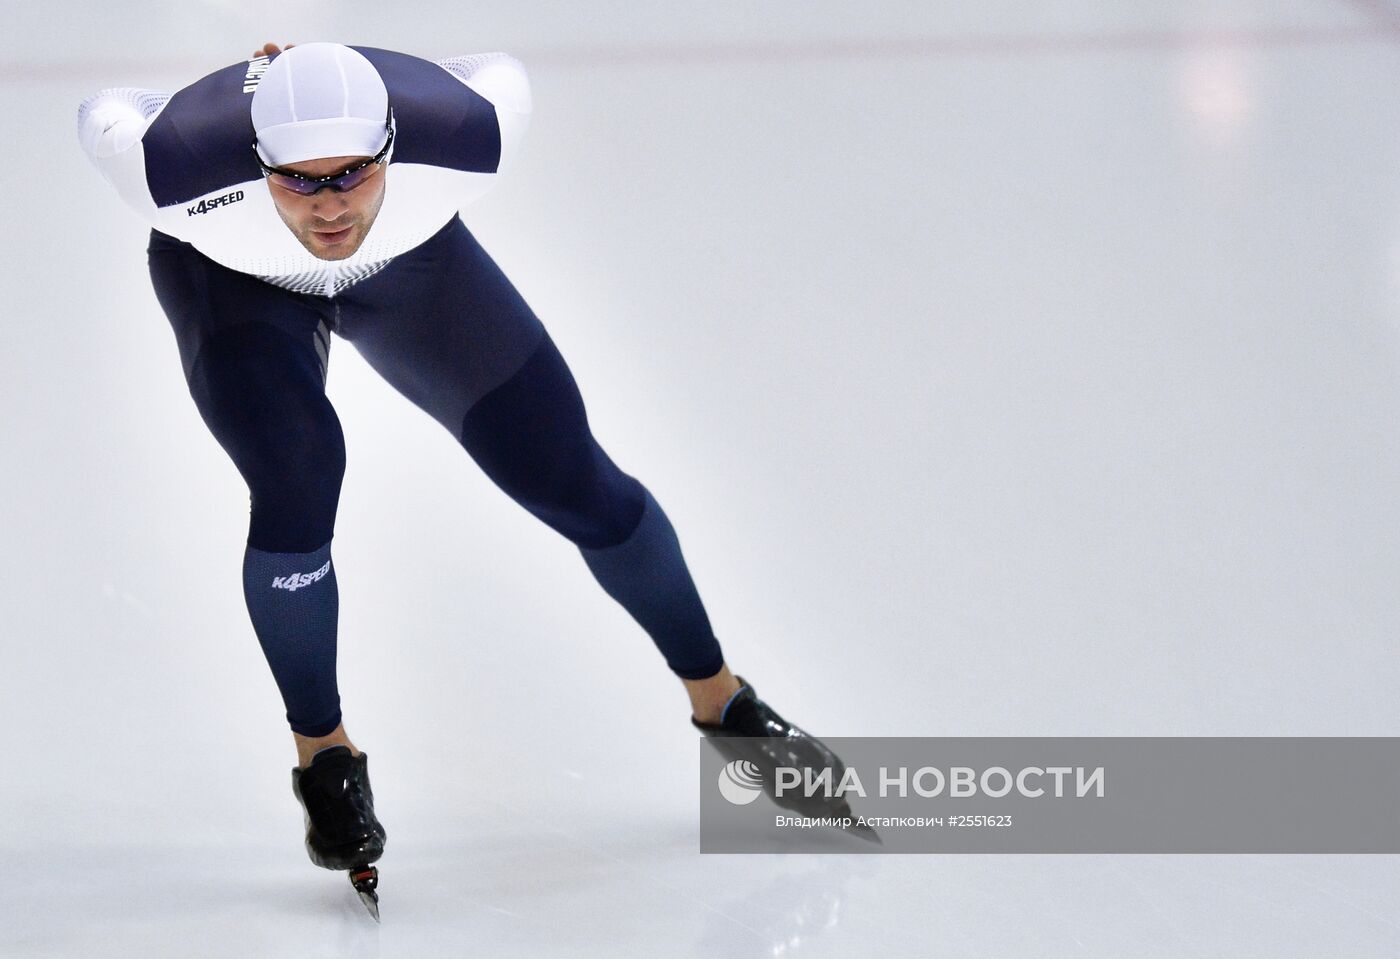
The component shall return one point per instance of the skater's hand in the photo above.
(270, 50)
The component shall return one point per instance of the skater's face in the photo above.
(330, 224)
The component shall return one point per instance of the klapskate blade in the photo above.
(865, 832)
(371, 902)
(364, 879)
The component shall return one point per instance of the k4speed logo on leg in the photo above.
(295, 581)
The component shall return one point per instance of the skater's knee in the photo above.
(294, 479)
(595, 506)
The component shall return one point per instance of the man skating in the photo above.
(316, 191)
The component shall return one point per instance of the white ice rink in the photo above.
(1007, 369)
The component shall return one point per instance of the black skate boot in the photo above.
(752, 730)
(341, 829)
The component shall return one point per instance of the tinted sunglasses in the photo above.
(339, 182)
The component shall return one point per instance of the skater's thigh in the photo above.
(201, 297)
(255, 367)
(442, 324)
(531, 436)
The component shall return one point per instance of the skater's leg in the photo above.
(446, 328)
(309, 746)
(531, 437)
(709, 696)
(254, 358)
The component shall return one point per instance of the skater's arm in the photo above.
(111, 124)
(502, 81)
(112, 121)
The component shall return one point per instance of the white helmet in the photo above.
(320, 100)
